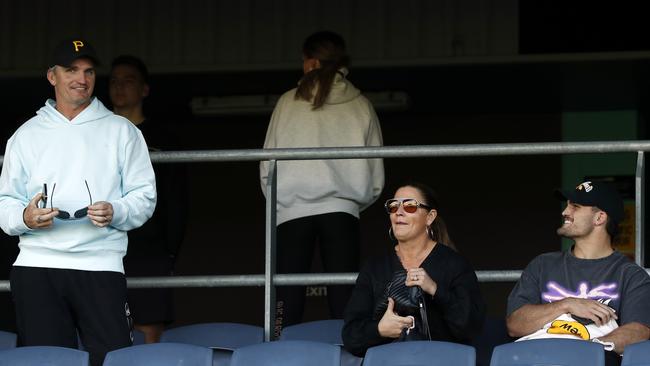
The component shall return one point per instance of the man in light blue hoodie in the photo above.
(75, 179)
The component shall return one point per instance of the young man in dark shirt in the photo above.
(154, 246)
(592, 287)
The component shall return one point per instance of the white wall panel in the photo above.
(205, 35)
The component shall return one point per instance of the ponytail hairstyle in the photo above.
(329, 49)
(438, 229)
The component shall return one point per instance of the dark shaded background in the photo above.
(500, 210)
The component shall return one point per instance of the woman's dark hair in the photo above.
(329, 49)
(438, 227)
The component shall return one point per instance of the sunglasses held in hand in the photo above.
(410, 205)
(65, 215)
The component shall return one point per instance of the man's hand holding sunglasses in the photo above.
(36, 217)
(100, 213)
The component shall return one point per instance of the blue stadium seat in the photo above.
(553, 351)
(430, 353)
(215, 335)
(287, 353)
(43, 355)
(160, 354)
(223, 338)
(637, 354)
(325, 331)
(7, 340)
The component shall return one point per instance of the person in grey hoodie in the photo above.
(75, 179)
(320, 200)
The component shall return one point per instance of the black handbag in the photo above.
(409, 301)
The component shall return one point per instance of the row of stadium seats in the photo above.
(319, 344)
(561, 352)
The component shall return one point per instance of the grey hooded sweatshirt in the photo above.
(314, 187)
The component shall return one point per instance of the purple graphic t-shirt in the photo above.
(613, 280)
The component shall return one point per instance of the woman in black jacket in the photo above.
(423, 266)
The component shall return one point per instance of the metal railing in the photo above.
(269, 279)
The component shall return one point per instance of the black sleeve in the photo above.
(463, 308)
(360, 330)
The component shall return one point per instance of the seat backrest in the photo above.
(160, 354)
(7, 340)
(431, 353)
(287, 353)
(637, 354)
(43, 355)
(228, 336)
(552, 351)
(326, 331)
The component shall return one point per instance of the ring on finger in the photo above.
(38, 219)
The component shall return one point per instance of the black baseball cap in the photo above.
(596, 193)
(71, 49)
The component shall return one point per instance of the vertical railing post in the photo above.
(269, 259)
(639, 198)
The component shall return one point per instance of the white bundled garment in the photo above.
(566, 326)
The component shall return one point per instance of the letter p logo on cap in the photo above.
(77, 45)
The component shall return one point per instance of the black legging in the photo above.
(338, 236)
